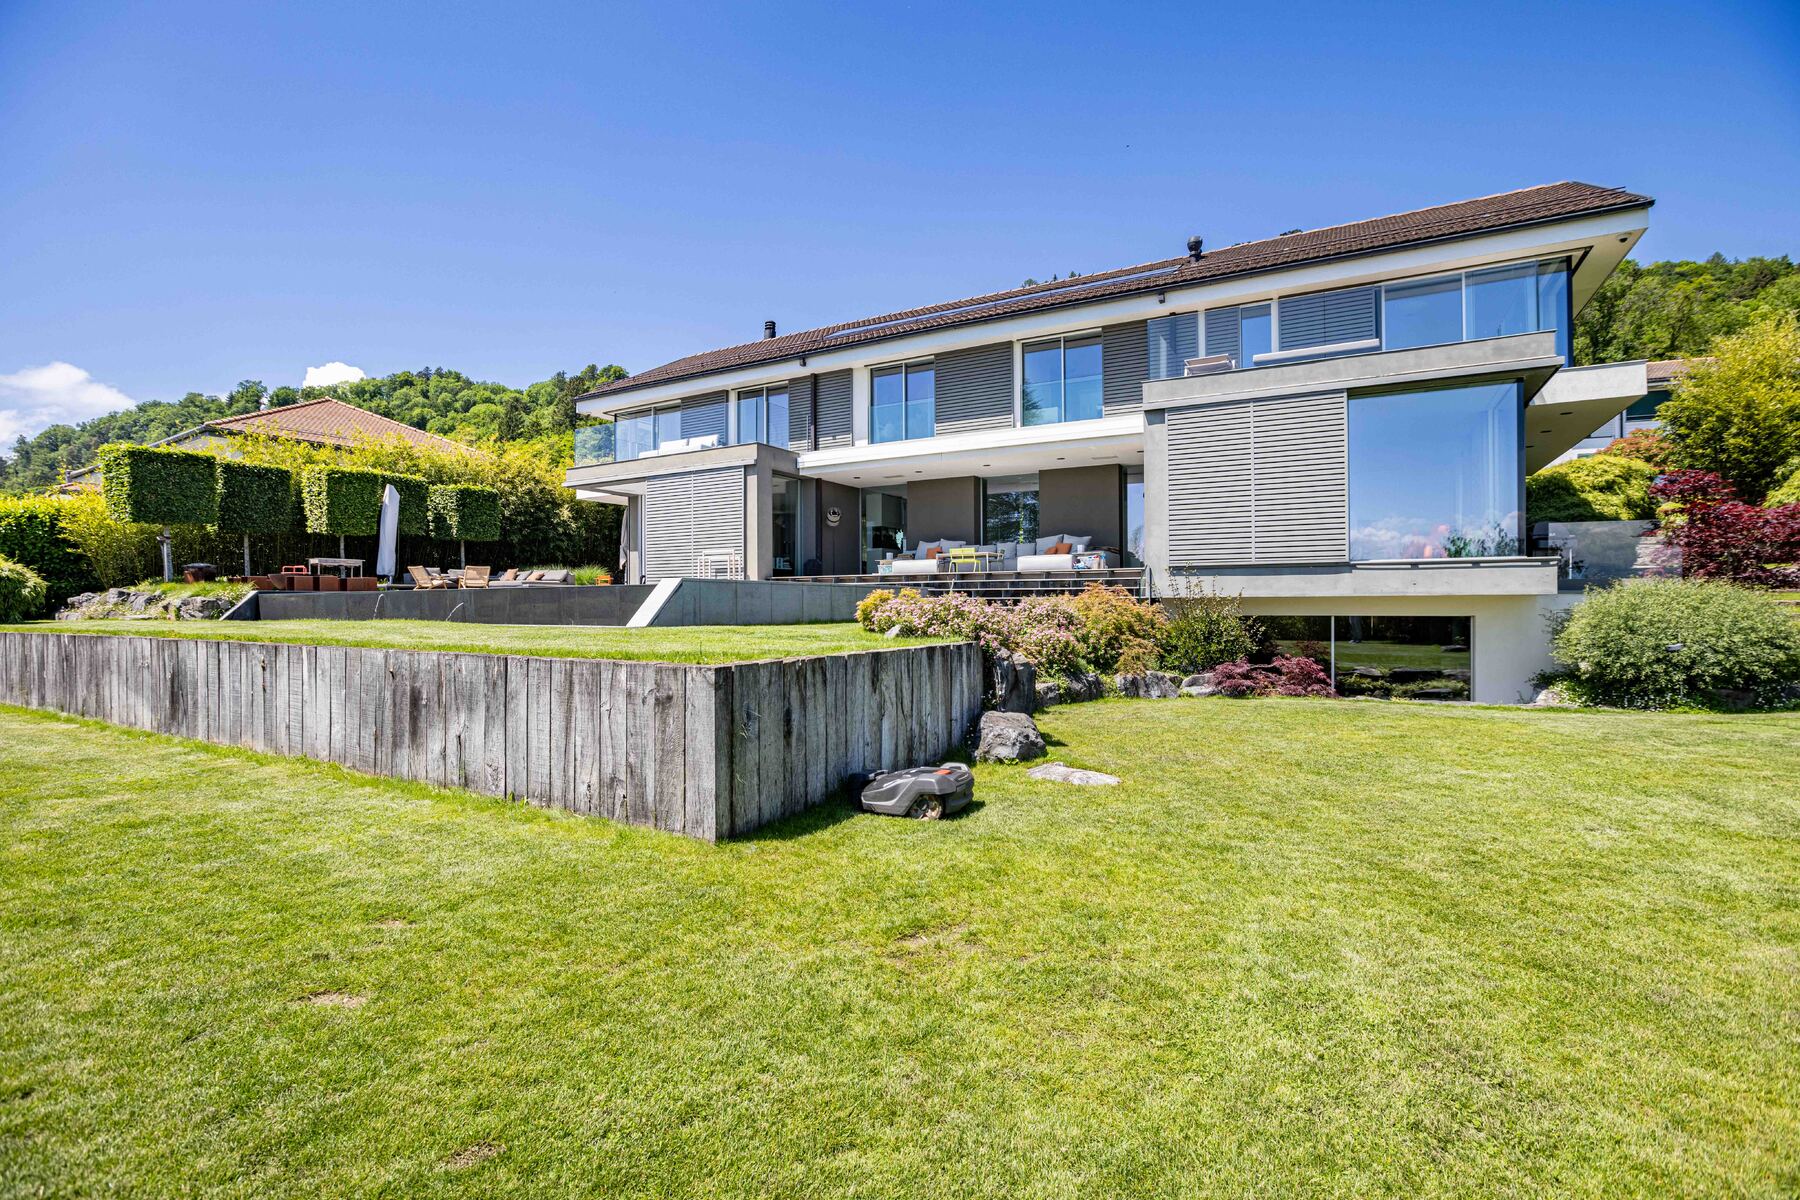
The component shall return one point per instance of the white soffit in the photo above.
(1575, 402)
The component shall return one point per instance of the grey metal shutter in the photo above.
(1258, 482)
(1122, 367)
(836, 422)
(692, 520)
(1169, 342)
(703, 415)
(1301, 480)
(1210, 485)
(800, 413)
(1326, 318)
(975, 388)
(1222, 332)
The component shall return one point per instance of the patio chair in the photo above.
(474, 577)
(424, 581)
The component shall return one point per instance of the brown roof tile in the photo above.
(330, 422)
(1462, 219)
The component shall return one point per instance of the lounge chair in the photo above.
(474, 577)
(424, 581)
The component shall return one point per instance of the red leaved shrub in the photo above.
(1721, 537)
(1282, 677)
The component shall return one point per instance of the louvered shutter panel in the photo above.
(975, 388)
(703, 415)
(1222, 333)
(1209, 485)
(1122, 367)
(835, 417)
(800, 401)
(692, 518)
(1327, 318)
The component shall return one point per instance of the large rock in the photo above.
(1009, 737)
(1049, 692)
(1151, 685)
(1199, 685)
(1012, 683)
(1057, 772)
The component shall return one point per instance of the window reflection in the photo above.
(902, 402)
(1436, 474)
(1063, 380)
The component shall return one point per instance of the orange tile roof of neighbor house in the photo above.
(329, 422)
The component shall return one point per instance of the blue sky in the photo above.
(192, 194)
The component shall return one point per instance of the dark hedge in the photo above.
(342, 501)
(465, 512)
(254, 499)
(158, 487)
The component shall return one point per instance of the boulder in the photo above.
(1049, 692)
(1009, 737)
(1151, 685)
(1056, 772)
(1200, 689)
(1012, 683)
(1551, 697)
(1088, 685)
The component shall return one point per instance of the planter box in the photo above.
(360, 583)
(706, 751)
(329, 583)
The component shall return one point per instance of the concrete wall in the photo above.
(1511, 633)
(943, 508)
(838, 547)
(752, 602)
(489, 606)
(705, 751)
(1083, 500)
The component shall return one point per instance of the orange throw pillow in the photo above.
(1062, 548)
(934, 552)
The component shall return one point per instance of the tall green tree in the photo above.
(1739, 413)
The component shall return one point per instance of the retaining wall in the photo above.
(706, 751)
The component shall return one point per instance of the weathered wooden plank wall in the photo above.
(706, 751)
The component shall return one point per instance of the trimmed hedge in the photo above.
(343, 501)
(159, 487)
(21, 592)
(415, 504)
(33, 534)
(1601, 487)
(465, 512)
(254, 499)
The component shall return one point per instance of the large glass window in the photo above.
(883, 525)
(636, 435)
(903, 402)
(784, 524)
(668, 425)
(1256, 333)
(762, 416)
(1436, 474)
(1492, 302)
(1134, 516)
(1063, 380)
(1413, 658)
(1009, 509)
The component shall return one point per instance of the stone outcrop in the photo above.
(1151, 685)
(1012, 683)
(134, 604)
(1009, 737)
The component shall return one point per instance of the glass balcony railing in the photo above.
(594, 444)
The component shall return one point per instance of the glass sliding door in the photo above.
(1063, 379)
(784, 525)
(902, 402)
(1009, 509)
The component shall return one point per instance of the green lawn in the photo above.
(697, 643)
(1309, 948)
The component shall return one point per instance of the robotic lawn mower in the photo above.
(925, 793)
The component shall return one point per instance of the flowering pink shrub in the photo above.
(1044, 630)
(1720, 537)
(1282, 677)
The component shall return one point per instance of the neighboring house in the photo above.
(325, 422)
(1659, 382)
(1334, 424)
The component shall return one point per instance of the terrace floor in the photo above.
(992, 585)
(1318, 948)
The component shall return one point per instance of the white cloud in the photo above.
(57, 393)
(330, 373)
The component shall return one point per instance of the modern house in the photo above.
(1334, 424)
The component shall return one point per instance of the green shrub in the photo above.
(1657, 643)
(1203, 630)
(21, 592)
(415, 504)
(117, 553)
(1601, 487)
(342, 501)
(34, 533)
(1788, 490)
(1116, 632)
(252, 498)
(464, 512)
(158, 487)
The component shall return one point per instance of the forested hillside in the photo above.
(434, 398)
(1663, 310)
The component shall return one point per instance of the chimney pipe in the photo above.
(1194, 246)
(768, 329)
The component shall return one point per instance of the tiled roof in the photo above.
(1659, 375)
(330, 422)
(1468, 217)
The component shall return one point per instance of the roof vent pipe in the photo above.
(768, 329)
(1194, 245)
